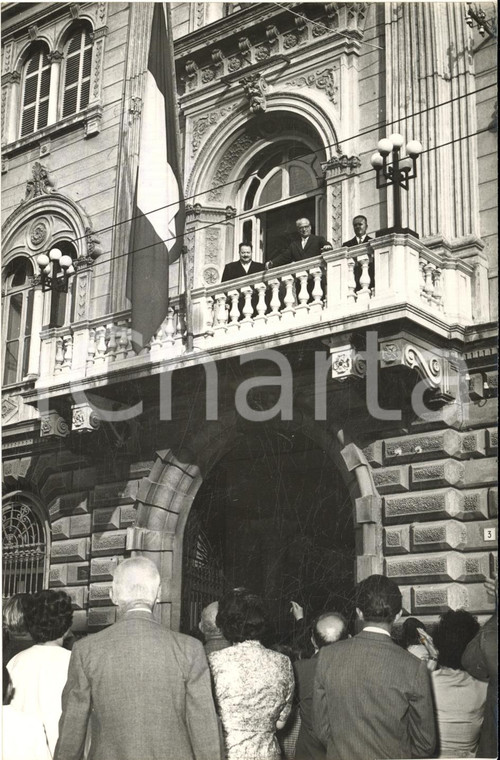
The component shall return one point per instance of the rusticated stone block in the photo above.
(493, 502)
(84, 478)
(112, 542)
(99, 593)
(69, 504)
(391, 479)
(72, 550)
(481, 473)
(444, 443)
(100, 617)
(69, 574)
(475, 505)
(106, 519)
(492, 441)
(445, 566)
(60, 529)
(102, 569)
(79, 624)
(128, 515)
(451, 534)
(435, 599)
(374, 454)
(116, 493)
(433, 505)
(447, 472)
(71, 527)
(473, 444)
(397, 540)
(368, 509)
(405, 599)
(79, 596)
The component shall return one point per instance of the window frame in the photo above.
(40, 514)
(25, 335)
(81, 29)
(40, 50)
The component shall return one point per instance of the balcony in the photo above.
(316, 298)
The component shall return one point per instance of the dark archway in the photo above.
(273, 514)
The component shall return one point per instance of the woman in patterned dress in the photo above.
(253, 685)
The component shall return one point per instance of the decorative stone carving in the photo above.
(74, 10)
(84, 418)
(234, 64)
(93, 244)
(8, 57)
(135, 107)
(193, 210)
(82, 286)
(41, 184)
(101, 12)
(261, 53)
(230, 212)
(53, 425)
(255, 88)
(44, 148)
(290, 40)
(346, 360)
(338, 165)
(336, 214)
(228, 160)
(192, 72)
(207, 76)
(212, 245)
(211, 276)
(33, 32)
(10, 407)
(324, 80)
(38, 233)
(203, 123)
(200, 14)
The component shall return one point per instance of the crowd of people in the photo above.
(139, 691)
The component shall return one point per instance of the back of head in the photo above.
(208, 617)
(243, 617)
(409, 633)
(6, 686)
(328, 628)
(455, 629)
(14, 613)
(136, 580)
(49, 615)
(379, 599)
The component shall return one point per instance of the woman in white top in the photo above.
(459, 697)
(39, 673)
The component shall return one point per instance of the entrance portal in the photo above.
(275, 516)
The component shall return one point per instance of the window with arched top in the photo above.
(281, 186)
(18, 316)
(77, 68)
(62, 304)
(35, 91)
(24, 545)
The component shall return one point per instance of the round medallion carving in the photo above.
(38, 233)
(210, 275)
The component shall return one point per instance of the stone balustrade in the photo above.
(306, 299)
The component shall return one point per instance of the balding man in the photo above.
(144, 689)
(304, 245)
(326, 629)
(214, 640)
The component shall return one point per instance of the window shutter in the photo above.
(77, 72)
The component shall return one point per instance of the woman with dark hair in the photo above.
(253, 685)
(39, 673)
(459, 698)
(15, 633)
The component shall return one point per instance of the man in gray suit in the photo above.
(372, 699)
(144, 689)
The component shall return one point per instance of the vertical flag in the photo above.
(158, 224)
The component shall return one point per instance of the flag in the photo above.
(158, 223)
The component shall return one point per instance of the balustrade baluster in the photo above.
(169, 327)
(91, 348)
(317, 292)
(364, 294)
(100, 345)
(351, 281)
(121, 351)
(59, 358)
(421, 266)
(234, 312)
(68, 353)
(438, 290)
(209, 316)
(429, 283)
(289, 298)
(220, 312)
(112, 342)
(130, 347)
(274, 314)
(247, 306)
(156, 340)
(261, 288)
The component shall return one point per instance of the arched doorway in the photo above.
(275, 515)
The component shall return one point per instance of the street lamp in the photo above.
(55, 270)
(398, 173)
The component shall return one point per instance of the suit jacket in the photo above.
(354, 241)
(308, 747)
(146, 691)
(372, 699)
(234, 269)
(295, 252)
(480, 660)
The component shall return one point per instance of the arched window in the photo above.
(282, 185)
(24, 542)
(18, 315)
(36, 87)
(62, 304)
(77, 71)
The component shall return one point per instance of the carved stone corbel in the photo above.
(53, 425)
(347, 359)
(84, 418)
(255, 88)
(340, 165)
(41, 184)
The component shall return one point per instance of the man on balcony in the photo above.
(360, 226)
(244, 266)
(304, 246)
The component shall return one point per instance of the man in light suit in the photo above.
(325, 630)
(244, 266)
(360, 226)
(304, 246)
(372, 699)
(145, 690)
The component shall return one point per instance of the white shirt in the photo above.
(246, 267)
(304, 241)
(376, 629)
(23, 737)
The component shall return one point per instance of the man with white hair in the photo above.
(143, 690)
(214, 640)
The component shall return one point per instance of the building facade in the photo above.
(333, 417)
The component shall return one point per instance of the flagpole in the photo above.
(187, 283)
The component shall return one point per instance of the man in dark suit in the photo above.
(360, 226)
(304, 246)
(372, 699)
(325, 630)
(144, 689)
(244, 266)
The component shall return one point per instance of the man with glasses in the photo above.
(304, 246)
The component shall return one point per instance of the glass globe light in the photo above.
(397, 139)
(384, 146)
(55, 254)
(414, 148)
(65, 261)
(376, 161)
(42, 260)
